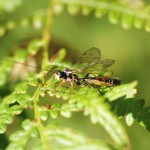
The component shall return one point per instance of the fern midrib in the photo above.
(46, 40)
(109, 6)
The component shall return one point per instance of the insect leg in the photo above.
(86, 75)
(72, 83)
(63, 81)
(99, 91)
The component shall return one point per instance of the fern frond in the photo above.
(133, 110)
(89, 101)
(59, 137)
(120, 91)
(122, 12)
(20, 18)
(20, 138)
(9, 6)
(13, 105)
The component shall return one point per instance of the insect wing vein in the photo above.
(90, 58)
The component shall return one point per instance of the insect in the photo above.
(88, 69)
(88, 63)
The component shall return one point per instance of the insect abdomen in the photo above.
(110, 81)
(103, 81)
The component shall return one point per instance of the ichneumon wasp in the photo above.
(88, 70)
(89, 64)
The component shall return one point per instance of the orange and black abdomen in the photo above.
(103, 81)
(110, 81)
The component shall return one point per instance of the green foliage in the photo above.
(84, 99)
(30, 89)
(14, 104)
(126, 13)
(59, 137)
(133, 110)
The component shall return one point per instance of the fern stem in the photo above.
(47, 34)
(40, 126)
(46, 39)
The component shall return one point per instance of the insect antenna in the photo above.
(28, 65)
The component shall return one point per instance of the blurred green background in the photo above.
(129, 48)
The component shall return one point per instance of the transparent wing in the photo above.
(90, 62)
(88, 59)
(106, 63)
(99, 68)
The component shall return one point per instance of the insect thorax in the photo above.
(67, 75)
(60, 74)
